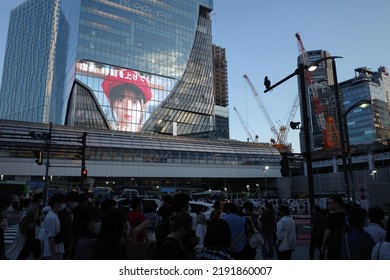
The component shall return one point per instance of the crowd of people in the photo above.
(73, 228)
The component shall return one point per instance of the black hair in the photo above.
(338, 199)
(179, 201)
(56, 198)
(284, 209)
(376, 215)
(135, 202)
(218, 234)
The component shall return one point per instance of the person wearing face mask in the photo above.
(66, 220)
(53, 246)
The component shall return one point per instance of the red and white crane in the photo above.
(326, 125)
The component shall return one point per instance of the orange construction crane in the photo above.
(280, 140)
(326, 124)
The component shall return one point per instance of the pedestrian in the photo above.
(174, 247)
(251, 228)
(334, 231)
(237, 228)
(317, 226)
(136, 217)
(88, 223)
(268, 229)
(31, 221)
(5, 203)
(285, 234)
(216, 241)
(214, 215)
(113, 236)
(375, 227)
(53, 246)
(381, 251)
(66, 219)
(357, 244)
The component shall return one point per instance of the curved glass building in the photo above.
(137, 66)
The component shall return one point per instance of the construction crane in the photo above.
(250, 137)
(280, 140)
(326, 125)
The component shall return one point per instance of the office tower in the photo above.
(137, 66)
(371, 124)
(221, 92)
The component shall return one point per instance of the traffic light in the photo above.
(294, 125)
(39, 157)
(284, 167)
(84, 172)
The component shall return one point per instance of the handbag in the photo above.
(256, 240)
(40, 233)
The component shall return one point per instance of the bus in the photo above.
(14, 188)
(102, 191)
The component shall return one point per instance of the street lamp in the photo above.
(300, 71)
(364, 103)
(265, 183)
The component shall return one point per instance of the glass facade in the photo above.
(148, 64)
(371, 124)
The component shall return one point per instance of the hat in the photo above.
(129, 77)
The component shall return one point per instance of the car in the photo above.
(196, 206)
(125, 202)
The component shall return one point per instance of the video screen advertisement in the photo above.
(126, 96)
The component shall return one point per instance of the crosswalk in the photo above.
(10, 233)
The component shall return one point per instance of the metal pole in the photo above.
(341, 131)
(48, 149)
(306, 131)
(83, 149)
(266, 187)
(349, 158)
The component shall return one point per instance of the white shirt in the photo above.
(384, 251)
(286, 225)
(377, 233)
(51, 224)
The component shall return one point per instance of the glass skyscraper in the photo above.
(371, 124)
(138, 66)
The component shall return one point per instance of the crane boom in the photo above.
(315, 98)
(262, 108)
(244, 125)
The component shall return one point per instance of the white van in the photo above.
(130, 193)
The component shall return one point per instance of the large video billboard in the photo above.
(127, 97)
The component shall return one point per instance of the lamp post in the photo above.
(364, 103)
(265, 182)
(300, 71)
(305, 115)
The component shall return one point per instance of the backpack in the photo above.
(27, 221)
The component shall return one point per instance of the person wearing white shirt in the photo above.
(381, 251)
(375, 227)
(285, 233)
(53, 247)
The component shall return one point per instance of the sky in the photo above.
(259, 38)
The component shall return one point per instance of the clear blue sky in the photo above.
(259, 37)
